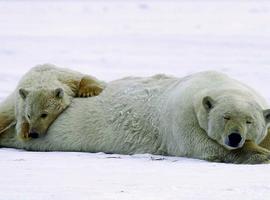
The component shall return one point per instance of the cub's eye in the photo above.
(44, 115)
(226, 118)
(248, 122)
(29, 117)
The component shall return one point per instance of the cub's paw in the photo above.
(23, 132)
(89, 87)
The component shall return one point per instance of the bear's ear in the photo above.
(208, 103)
(266, 114)
(23, 93)
(59, 93)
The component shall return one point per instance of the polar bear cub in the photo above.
(42, 95)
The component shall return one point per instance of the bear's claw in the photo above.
(89, 88)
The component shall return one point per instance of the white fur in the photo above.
(140, 115)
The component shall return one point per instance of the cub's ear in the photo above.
(266, 114)
(59, 93)
(208, 103)
(23, 93)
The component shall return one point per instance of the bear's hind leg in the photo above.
(5, 122)
(7, 113)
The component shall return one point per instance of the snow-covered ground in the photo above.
(115, 38)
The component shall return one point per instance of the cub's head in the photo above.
(42, 107)
(232, 121)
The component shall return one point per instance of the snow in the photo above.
(116, 38)
(57, 175)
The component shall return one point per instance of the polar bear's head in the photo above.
(42, 107)
(232, 121)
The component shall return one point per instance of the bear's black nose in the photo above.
(234, 139)
(33, 135)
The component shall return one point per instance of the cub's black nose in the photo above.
(33, 135)
(234, 139)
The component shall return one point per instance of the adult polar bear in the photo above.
(203, 116)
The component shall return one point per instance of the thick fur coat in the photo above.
(157, 115)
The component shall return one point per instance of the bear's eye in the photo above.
(44, 115)
(226, 118)
(29, 117)
(249, 122)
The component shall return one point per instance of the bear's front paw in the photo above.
(251, 153)
(23, 133)
(90, 91)
(88, 88)
(257, 159)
